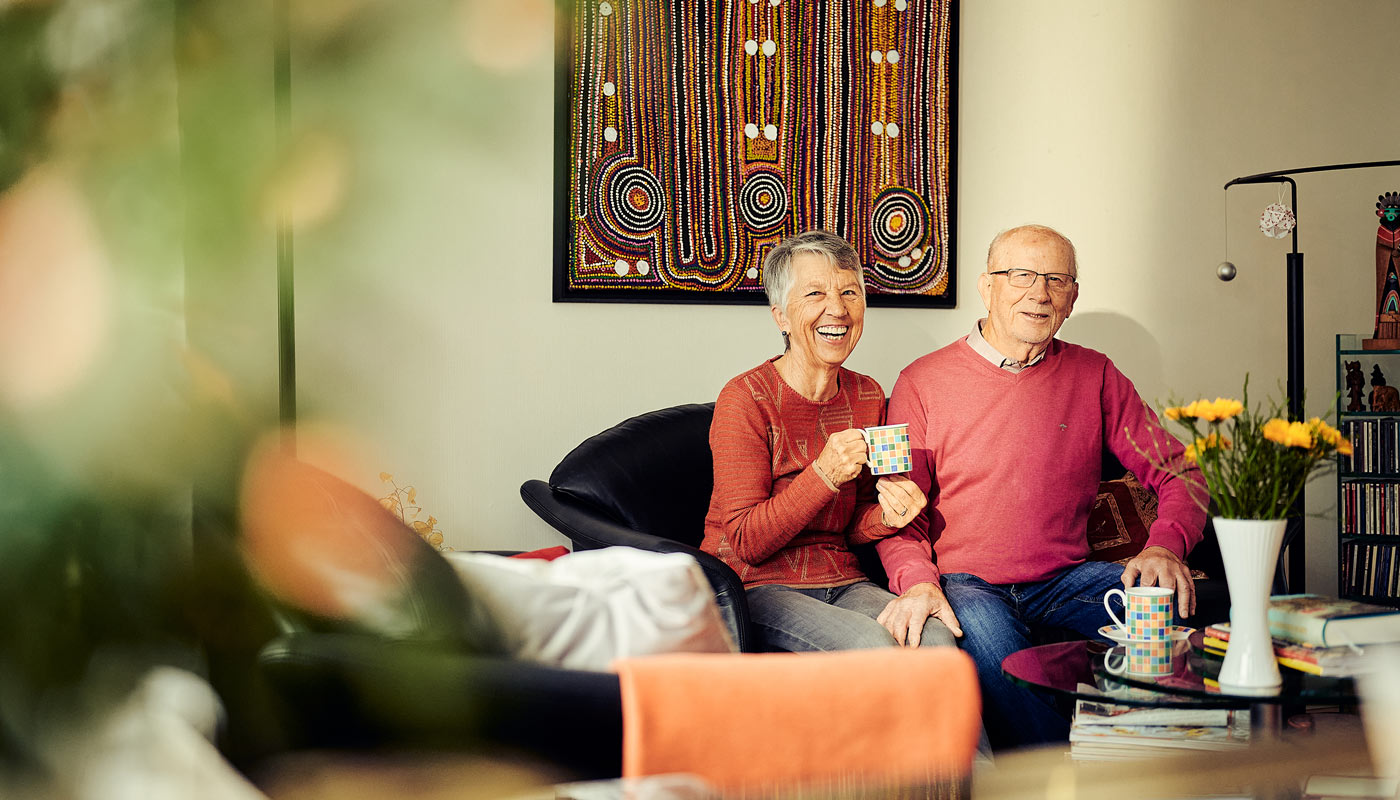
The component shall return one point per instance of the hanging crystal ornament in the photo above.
(1277, 221)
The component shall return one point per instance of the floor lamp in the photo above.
(1294, 540)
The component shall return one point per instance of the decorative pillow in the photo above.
(1123, 514)
(587, 609)
(335, 559)
(545, 553)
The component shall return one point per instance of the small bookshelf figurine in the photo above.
(1383, 398)
(1387, 332)
(1356, 386)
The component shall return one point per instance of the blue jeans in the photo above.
(997, 621)
(839, 618)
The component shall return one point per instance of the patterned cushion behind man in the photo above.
(1123, 513)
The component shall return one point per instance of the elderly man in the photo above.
(1008, 426)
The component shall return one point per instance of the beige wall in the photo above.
(424, 316)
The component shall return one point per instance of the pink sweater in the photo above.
(772, 517)
(1011, 464)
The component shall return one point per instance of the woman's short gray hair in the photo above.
(777, 265)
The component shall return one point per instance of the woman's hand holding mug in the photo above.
(840, 461)
(901, 500)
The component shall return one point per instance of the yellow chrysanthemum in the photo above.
(1330, 435)
(1212, 442)
(1209, 410)
(1224, 408)
(1288, 434)
(1275, 430)
(1216, 410)
(1187, 411)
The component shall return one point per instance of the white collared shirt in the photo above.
(983, 348)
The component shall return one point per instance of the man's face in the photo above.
(1021, 318)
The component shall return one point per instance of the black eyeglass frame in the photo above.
(1065, 287)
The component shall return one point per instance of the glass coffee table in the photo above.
(1086, 669)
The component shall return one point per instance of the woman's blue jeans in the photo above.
(801, 620)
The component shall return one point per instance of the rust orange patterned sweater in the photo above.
(772, 517)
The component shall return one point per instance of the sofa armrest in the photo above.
(588, 529)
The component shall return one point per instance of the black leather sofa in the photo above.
(646, 483)
(360, 693)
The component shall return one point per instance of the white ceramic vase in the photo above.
(1249, 548)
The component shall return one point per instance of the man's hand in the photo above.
(905, 615)
(901, 500)
(1158, 566)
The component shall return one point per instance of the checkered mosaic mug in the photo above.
(887, 449)
(1152, 657)
(1147, 611)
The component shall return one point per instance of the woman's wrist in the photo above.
(826, 478)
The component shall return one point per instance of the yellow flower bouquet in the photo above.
(1255, 463)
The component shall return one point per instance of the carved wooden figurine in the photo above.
(1356, 386)
(1387, 332)
(1383, 398)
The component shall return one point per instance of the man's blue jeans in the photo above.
(800, 620)
(997, 621)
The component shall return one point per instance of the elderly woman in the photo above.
(791, 496)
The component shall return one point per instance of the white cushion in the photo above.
(586, 609)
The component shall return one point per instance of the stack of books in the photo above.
(1318, 634)
(1108, 731)
(1330, 661)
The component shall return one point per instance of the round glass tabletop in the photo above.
(1099, 670)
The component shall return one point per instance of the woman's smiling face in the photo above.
(825, 312)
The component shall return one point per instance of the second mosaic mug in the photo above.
(1147, 611)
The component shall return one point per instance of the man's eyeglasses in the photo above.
(1058, 282)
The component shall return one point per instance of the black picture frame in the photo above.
(645, 283)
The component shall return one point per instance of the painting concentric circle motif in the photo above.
(763, 201)
(636, 200)
(898, 222)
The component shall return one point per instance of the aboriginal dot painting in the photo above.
(694, 136)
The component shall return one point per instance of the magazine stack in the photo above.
(1108, 731)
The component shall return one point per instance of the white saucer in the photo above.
(1117, 634)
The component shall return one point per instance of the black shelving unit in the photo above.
(1368, 484)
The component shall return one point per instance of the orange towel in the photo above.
(743, 721)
